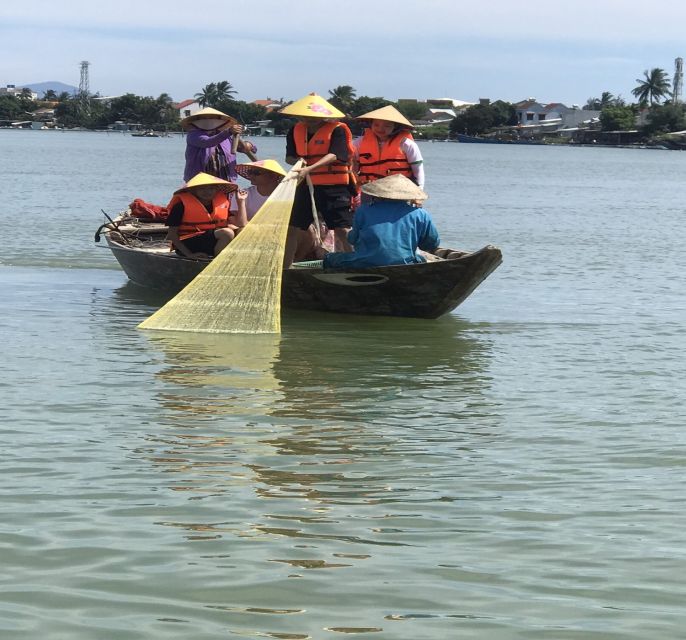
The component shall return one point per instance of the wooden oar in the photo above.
(240, 290)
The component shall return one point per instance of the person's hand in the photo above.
(236, 129)
(241, 195)
(302, 173)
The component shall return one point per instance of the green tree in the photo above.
(10, 108)
(617, 118)
(342, 97)
(479, 118)
(68, 113)
(244, 112)
(654, 87)
(208, 95)
(411, 109)
(666, 118)
(50, 95)
(365, 104)
(606, 100)
(225, 91)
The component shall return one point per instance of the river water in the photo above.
(515, 470)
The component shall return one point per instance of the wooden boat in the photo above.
(424, 290)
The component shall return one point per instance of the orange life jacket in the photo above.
(377, 161)
(196, 219)
(317, 147)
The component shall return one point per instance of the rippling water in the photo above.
(514, 470)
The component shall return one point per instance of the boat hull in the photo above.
(424, 290)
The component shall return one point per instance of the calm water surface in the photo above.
(515, 470)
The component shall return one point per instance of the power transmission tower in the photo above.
(84, 88)
(678, 83)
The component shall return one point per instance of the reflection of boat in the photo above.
(461, 137)
(425, 290)
(148, 133)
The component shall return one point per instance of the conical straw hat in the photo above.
(395, 187)
(312, 106)
(204, 179)
(209, 114)
(388, 113)
(267, 165)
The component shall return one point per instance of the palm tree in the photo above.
(342, 97)
(225, 91)
(653, 88)
(208, 96)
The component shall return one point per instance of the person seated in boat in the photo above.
(265, 176)
(388, 229)
(209, 144)
(326, 146)
(198, 217)
(387, 148)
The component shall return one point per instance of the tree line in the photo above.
(653, 92)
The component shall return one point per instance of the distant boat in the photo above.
(148, 133)
(461, 137)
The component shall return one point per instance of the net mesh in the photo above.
(240, 290)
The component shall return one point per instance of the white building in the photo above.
(12, 90)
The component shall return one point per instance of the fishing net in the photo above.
(240, 290)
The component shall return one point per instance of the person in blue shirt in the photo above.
(390, 229)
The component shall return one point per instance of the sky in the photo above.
(497, 49)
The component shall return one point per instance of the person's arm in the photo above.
(414, 157)
(199, 138)
(429, 240)
(240, 215)
(291, 153)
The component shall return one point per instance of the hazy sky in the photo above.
(555, 52)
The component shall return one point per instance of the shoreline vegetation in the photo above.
(657, 119)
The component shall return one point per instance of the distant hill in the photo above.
(58, 87)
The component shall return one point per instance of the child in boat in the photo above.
(390, 228)
(265, 176)
(198, 217)
(387, 148)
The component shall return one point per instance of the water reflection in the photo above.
(352, 368)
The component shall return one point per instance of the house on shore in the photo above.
(535, 118)
(187, 108)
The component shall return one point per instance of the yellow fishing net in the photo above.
(240, 290)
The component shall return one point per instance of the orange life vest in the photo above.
(196, 219)
(317, 147)
(377, 161)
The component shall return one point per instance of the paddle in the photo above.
(315, 214)
(240, 290)
(246, 151)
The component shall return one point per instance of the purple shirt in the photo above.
(199, 148)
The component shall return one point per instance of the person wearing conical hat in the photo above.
(265, 175)
(209, 144)
(198, 217)
(326, 146)
(389, 229)
(386, 148)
